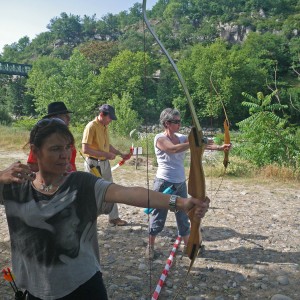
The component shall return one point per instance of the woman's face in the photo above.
(174, 124)
(54, 154)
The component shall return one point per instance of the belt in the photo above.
(96, 159)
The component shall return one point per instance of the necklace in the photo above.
(47, 188)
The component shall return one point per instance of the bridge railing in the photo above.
(14, 69)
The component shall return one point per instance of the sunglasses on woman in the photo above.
(175, 121)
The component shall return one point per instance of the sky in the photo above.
(21, 18)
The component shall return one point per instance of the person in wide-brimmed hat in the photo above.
(58, 110)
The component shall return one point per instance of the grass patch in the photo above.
(13, 138)
(279, 172)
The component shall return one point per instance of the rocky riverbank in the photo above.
(251, 245)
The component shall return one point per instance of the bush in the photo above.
(25, 123)
(5, 118)
(128, 118)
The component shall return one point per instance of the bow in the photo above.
(123, 160)
(196, 183)
(226, 129)
(226, 141)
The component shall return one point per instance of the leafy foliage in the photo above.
(69, 81)
(225, 49)
(219, 66)
(99, 53)
(25, 123)
(268, 137)
(125, 73)
(67, 28)
(5, 118)
(128, 118)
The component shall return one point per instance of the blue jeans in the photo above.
(158, 216)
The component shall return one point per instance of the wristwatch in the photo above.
(172, 202)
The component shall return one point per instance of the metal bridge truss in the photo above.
(14, 69)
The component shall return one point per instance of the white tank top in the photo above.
(170, 165)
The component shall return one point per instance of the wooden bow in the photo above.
(226, 129)
(196, 183)
(226, 141)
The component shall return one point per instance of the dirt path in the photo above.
(251, 245)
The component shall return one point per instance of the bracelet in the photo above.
(172, 202)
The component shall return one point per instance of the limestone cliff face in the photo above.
(233, 33)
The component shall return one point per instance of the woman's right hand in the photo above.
(17, 172)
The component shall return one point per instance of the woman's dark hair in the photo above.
(45, 127)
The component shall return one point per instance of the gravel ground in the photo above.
(251, 238)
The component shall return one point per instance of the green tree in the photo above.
(108, 28)
(99, 53)
(126, 73)
(228, 71)
(79, 87)
(135, 13)
(42, 45)
(167, 86)
(45, 81)
(19, 103)
(72, 82)
(158, 8)
(295, 54)
(133, 40)
(268, 49)
(128, 118)
(89, 27)
(269, 138)
(16, 51)
(67, 28)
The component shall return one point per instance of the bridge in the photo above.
(14, 69)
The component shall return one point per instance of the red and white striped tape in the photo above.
(165, 271)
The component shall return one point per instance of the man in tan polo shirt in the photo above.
(99, 151)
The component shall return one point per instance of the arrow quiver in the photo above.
(19, 295)
(95, 170)
(8, 276)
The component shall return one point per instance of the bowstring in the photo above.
(147, 162)
(226, 117)
(211, 152)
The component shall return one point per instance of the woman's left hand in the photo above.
(201, 206)
(17, 172)
(226, 147)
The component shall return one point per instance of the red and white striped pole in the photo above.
(166, 269)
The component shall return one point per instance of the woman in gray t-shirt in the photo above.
(52, 218)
